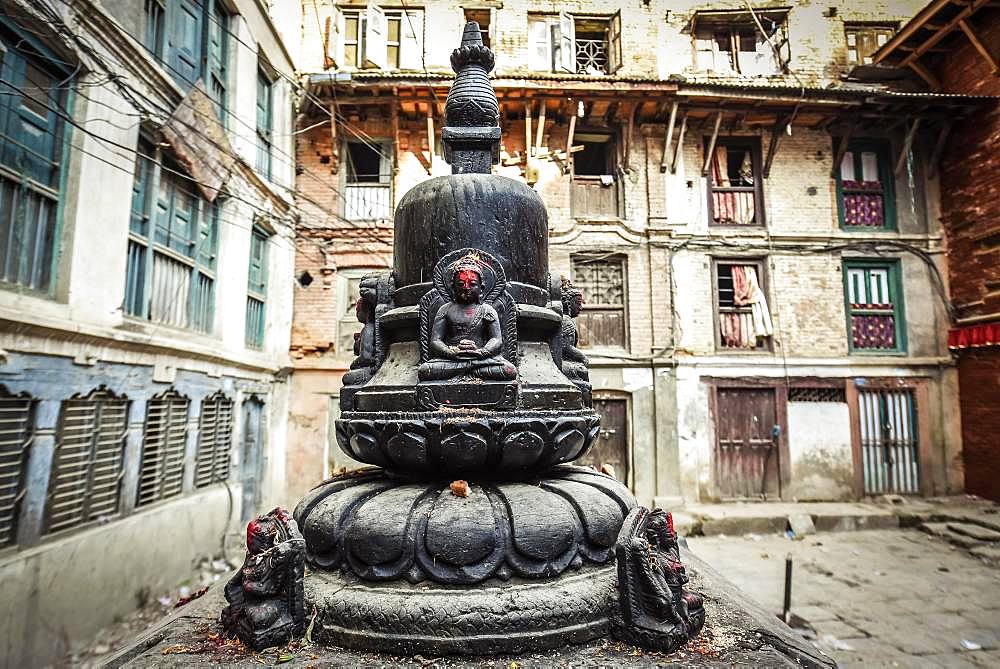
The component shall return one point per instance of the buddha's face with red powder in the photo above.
(467, 285)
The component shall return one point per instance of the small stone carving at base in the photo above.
(654, 610)
(266, 606)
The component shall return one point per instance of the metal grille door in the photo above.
(162, 472)
(889, 441)
(87, 466)
(15, 436)
(214, 437)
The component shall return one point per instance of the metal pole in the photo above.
(788, 588)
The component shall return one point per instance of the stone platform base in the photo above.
(512, 616)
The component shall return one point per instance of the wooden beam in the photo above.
(527, 132)
(668, 140)
(776, 133)
(971, 7)
(334, 141)
(711, 145)
(569, 138)
(541, 128)
(430, 138)
(678, 147)
(939, 148)
(926, 75)
(907, 145)
(980, 47)
(845, 139)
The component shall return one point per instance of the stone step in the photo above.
(975, 531)
(944, 531)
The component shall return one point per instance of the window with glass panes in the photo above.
(356, 47)
(601, 279)
(173, 241)
(31, 149)
(257, 288)
(874, 303)
(265, 114)
(865, 188)
(191, 39)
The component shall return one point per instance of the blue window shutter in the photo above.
(186, 40)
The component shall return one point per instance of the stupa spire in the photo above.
(471, 134)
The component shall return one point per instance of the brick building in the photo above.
(755, 234)
(146, 251)
(956, 48)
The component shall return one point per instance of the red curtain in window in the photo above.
(863, 204)
(873, 331)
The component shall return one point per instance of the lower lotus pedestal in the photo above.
(494, 617)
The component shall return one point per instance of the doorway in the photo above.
(889, 450)
(252, 458)
(611, 445)
(747, 443)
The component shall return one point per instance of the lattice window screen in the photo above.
(816, 395)
(215, 428)
(15, 437)
(87, 466)
(161, 474)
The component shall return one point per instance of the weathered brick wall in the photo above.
(979, 374)
(970, 179)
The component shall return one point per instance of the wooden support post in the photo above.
(980, 47)
(711, 145)
(395, 139)
(679, 146)
(430, 138)
(541, 129)
(334, 141)
(939, 148)
(527, 131)
(776, 133)
(669, 139)
(633, 110)
(926, 75)
(569, 139)
(907, 145)
(842, 149)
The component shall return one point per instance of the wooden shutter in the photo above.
(411, 46)
(161, 473)
(566, 60)
(615, 43)
(375, 34)
(15, 437)
(215, 428)
(540, 48)
(185, 42)
(87, 466)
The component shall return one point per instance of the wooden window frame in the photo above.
(761, 265)
(405, 17)
(754, 144)
(857, 29)
(556, 40)
(201, 257)
(471, 13)
(265, 119)
(881, 149)
(212, 22)
(215, 440)
(33, 163)
(256, 327)
(103, 401)
(895, 286)
(622, 260)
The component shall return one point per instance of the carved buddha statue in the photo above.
(466, 338)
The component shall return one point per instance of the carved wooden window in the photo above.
(865, 187)
(731, 42)
(482, 17)
(575, 44)
(161, 473)
(215, 431)
(601, 279)
(16, 418)
(864, 40)
(85, 482)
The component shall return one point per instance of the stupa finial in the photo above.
(471, 134)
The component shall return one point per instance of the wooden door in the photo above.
(746, 450)
(611, 445)
(252, 460)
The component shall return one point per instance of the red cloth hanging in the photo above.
(974, 336)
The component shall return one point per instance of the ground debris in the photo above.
(460, 488)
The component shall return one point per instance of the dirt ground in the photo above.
(880, 598)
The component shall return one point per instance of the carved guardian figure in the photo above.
(655, 611)
(574, 362)
(266, 605)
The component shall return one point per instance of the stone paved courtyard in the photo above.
(879, 598)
